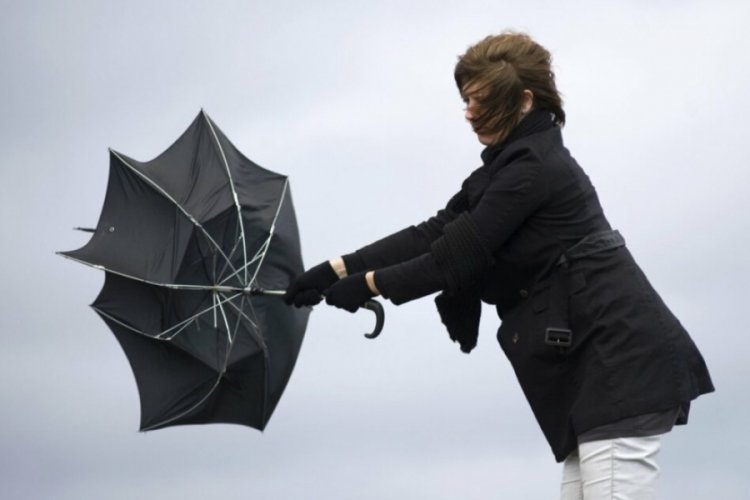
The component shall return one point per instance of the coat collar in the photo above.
(536, 121)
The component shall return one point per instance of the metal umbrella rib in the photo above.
(172, 286)
(264, 248)
(234, 192)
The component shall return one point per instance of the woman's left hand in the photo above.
(349, 293)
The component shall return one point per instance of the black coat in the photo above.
(528, 204)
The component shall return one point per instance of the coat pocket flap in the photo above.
(540, 299)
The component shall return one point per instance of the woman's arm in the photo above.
(398, 247)
(460, 257)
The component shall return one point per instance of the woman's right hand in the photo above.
(307, 288)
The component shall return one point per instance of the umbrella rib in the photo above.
(244, 315)
(184, 323)
(255, 330)
(226, 323)
(132, 328)
(125, 325)
(223, 269)
(259, 338)
(263, 249)
(234, 336)
(121, 323)
(152, 337)
(176, 203)
(208, 267)
(172, 286)
(214, 301)
(261, 254)
(179, 326)
(234, 191)
(271, 231)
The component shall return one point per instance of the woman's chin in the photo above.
(486, 140)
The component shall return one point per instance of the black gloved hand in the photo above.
(349, 293)
(307, 288)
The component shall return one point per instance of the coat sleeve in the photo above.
(460, 257)
(402, 245)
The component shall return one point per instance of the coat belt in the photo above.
(559, 334)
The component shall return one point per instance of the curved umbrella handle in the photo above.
(372, 305)
(377, 308)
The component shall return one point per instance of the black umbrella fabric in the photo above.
(193, 245)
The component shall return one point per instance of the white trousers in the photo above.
(612, 469)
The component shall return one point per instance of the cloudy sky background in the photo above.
(356, 103)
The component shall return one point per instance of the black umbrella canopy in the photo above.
(193, 243)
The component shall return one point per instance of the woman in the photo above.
(604, 364)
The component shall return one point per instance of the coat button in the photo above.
(523, 293)
(515, 337)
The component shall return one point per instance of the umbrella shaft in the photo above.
(248, 291)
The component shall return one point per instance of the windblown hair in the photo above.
(497, 70)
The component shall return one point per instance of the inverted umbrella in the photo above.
(196, 246)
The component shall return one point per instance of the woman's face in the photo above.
(470, 113)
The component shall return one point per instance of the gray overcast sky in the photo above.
(355, 102)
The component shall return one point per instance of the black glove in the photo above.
(349, 293)
(307, 288)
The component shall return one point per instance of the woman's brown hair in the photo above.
(497, 70)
